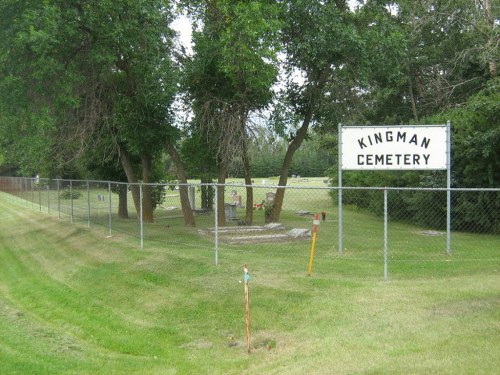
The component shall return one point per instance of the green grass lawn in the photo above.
(75, 302)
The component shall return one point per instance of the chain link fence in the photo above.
(381, 226)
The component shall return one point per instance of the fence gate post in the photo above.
(109, 213)
(216, 226)
(48, 197)
(448, 188)
(32, 193)
(88, 204)
(39, 196)
(341, 240)
(385, 236)
(71, 197)
(140, 216)
(24, 188)
(58, 199)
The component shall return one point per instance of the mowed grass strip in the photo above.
(75, 302)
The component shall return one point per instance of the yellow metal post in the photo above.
(313, 244)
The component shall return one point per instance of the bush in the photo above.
(70, 194)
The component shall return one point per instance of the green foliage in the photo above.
(159, 192)
(36, 81)
(230, 74)
(429, 66)
(199, 157)
(324, 49)
(476, 138)
(73, 73)
(158, 195)
(478, 213)
(476, 158)
(98, 77)
(235, 52)
(266, 156)
(475, 164)
(68, 193)
(268, 210)
(132, 55)
(422, 57)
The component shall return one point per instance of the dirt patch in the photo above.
(272, 232)
(431, 233)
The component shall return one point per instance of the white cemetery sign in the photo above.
(394, 147)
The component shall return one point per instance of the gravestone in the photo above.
(230, 211)
(237, 200)
(270, 198)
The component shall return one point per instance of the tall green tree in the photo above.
(130, 46)
(445, 71)
(323, 46)
(449, 53)
(231, 75)
(87, 68)
(200, 161)
(35, 83)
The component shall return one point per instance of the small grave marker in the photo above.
(270, 198)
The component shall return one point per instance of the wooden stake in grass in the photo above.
(247, 305)
(313, 245)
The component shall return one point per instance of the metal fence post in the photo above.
(140, 216)
(341, 242)
(88, 204)
(58, 199)
(448, 188)
(48, 198)
(385, 236)
(402, 211)
(341, 222)
(216, 226)
(39, 197)
(109, 193)
(21, 187)
(71, 197)
(32, 194)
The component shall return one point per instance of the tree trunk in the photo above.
(246, 167)
(412, 99)
(122, 201)
(314, 98)
(147, 190)
(129, 171)
(183, 188)
(287, 162)
(412, 96)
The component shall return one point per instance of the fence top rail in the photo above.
(348, 187)
(264, 186)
